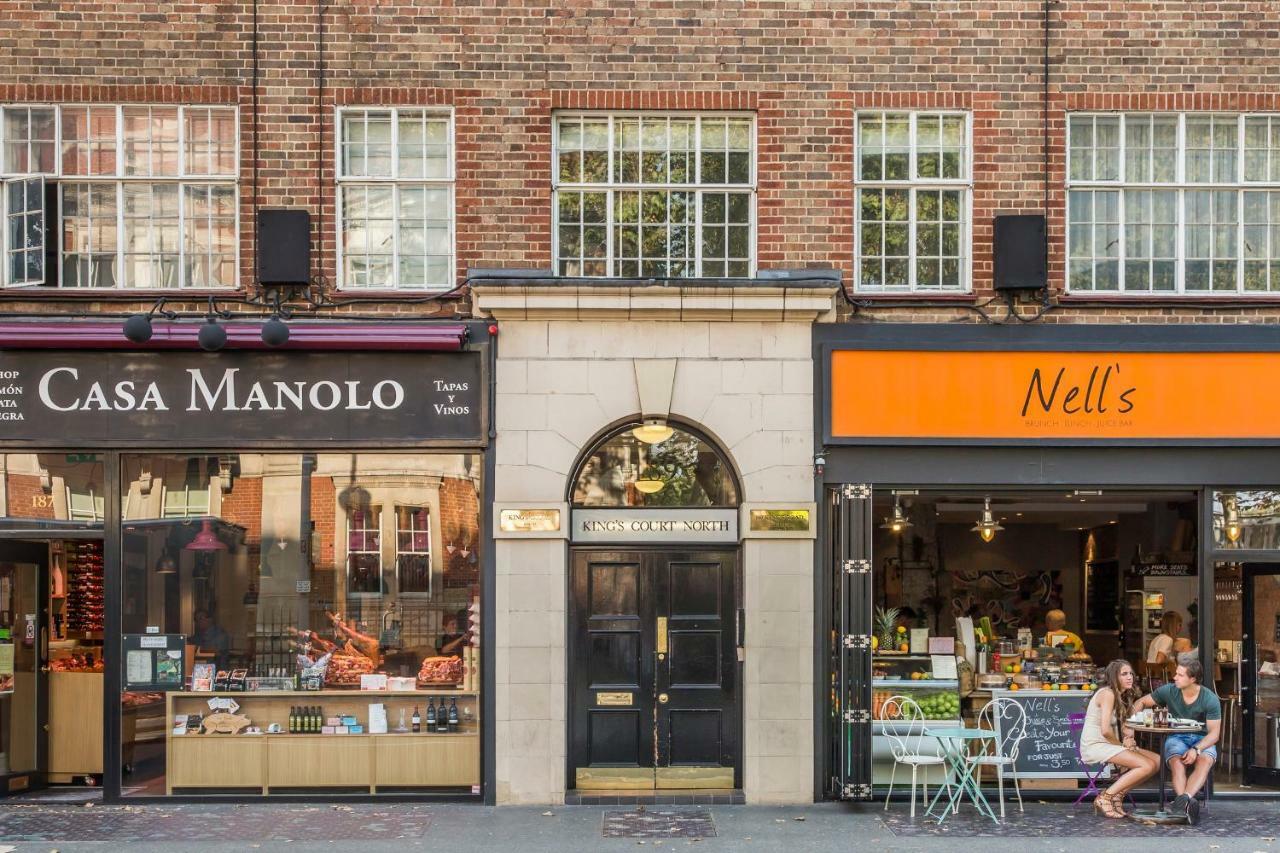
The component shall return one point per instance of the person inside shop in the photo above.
(1193, 753)
(1105, 739)
(457, 633)
(1056, 633)
(211, 639)
(1160, 650)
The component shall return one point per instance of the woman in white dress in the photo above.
(1106, 740)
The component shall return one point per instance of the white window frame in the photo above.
(118, 179)
(349, 552)
(1180, 186)
(913, 182)
(449, 182)
(96, 502)
(186, 504)
(695, 188)
(7, 249)
(428, 553)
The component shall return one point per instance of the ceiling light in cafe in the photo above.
(987, 526)
(897, 522)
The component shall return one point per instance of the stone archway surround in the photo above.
(749, 385)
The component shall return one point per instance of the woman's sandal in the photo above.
(1105, 805)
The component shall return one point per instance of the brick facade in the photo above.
(804, 68)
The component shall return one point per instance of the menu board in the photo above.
(1049, 749)
(154, 661)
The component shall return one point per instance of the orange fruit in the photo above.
(903, 647)
(1014, 686)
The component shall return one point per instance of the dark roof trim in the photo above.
(104, 335)
(818, 278)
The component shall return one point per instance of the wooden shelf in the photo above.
(282, 760)
(303, 694)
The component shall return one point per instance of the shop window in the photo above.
(395, 202)
(633, 467)
(142, 196)
(281, 588)
(1184, 203)
(663, 196)
(413, 548)
(1247, 520)
(913, 189)
(364, 550)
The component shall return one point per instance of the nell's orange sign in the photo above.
(1054, 395)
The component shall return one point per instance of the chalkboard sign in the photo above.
(1102, 591)
(1049, 749)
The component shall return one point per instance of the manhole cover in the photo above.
(659, 824)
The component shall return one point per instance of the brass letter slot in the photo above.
(661, 639)
(614, 699)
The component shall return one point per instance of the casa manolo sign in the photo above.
(689, 526)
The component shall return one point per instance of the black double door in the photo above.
(654, 671)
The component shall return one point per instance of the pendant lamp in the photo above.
(206, 540)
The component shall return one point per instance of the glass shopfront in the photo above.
(318, 612)
(293, 606)
(1073, 473)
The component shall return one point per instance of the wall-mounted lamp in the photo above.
(1231, 520)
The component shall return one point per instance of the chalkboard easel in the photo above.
(1049, 749)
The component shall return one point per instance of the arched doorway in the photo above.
(654, 667)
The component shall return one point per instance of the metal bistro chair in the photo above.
(1076, 724)
(905, 728)
(1008, 719)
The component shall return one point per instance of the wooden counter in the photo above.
(268, 762)
(75, 725)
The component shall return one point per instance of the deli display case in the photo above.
(912, 676)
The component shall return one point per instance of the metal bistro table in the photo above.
(1165, 732)
(955, 749)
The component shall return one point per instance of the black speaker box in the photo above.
(1020, 253)
(284, 247)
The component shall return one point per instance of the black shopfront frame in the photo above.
(844, 464)
(481, 349)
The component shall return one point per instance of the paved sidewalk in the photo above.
(371, 828)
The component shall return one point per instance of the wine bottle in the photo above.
(416, 720)
(431, 713)
(453, 715)
(442, 718)
(293, 718)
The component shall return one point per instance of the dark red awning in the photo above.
(96, 334)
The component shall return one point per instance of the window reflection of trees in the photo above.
(691, 473)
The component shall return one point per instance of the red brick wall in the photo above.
(26, 497)
(803, 67)
(460, 525)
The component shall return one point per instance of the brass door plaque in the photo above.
(613, 699)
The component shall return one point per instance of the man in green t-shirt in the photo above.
(1187, 699)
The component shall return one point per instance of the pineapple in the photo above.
(887, 626)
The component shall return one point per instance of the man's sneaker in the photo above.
(1193, 811)
(1179, 804)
